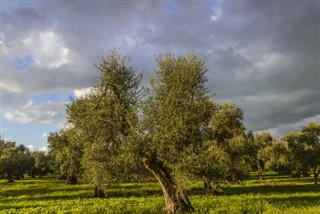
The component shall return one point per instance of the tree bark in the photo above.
(98, 192)
(62, 177)
(207, 186)
(260, 172)
(71, 179)
(316, 172)
(10, 178)
(305, 173)
(176, 201)
(297, 174)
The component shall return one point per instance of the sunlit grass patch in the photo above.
(281, 194)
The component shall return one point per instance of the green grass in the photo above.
(275, 194)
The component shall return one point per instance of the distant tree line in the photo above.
(172, 130)
(18, 160)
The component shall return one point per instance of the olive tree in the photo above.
(41, 163)
(305, 147)
(228, 130)
(311, 137)
(171, 128)
(105, 121)
(66, 154)
(176, 111)
(211, 164)
(14, 160)
(278, 157)
(23, 161)
(8, 158)
(261, 142)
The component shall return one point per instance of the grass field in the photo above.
(275, 194)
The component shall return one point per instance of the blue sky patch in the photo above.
(210, 3)
(22, 63)
(172, 8)
(33, 132)
(53, 97)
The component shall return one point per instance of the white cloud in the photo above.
(3, 44)
(17, 116)
(30, 147)
(43, 149)
(282, 129)
(7, 139)
(279, 98)
(271, 61)
(29, 104)
(83, 92)
(43, 113)
(12, 87)
(40, 61)
(216, 14)
(131, 41)
(44, 135)
(47, 49)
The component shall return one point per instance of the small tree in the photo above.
(228, 131)
(278, 157)
(305, 146)
(23, 161)
(311, 134)
(261, 142)
(41, 163)
(105, 121)
(66, 154)
(210, 164)
(300, 156)
(8, 158)
(177, 110)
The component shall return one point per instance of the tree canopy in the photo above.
(171, 128)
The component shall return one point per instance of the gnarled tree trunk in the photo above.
(316, 172)
(71, 179)
(208, 189)
(176, 201)
(62, 177)
(259, 172)
(207, 186)
(10, 177)
(98, 192)
(305, 173)
(33, 173)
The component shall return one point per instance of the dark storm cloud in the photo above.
(263, 55)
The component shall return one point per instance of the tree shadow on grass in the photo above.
(262, 189)
(296, 201)
(133, 193)
(16, 207)
(283, 203)
(85, 191)
(39, 191)
(268, 189)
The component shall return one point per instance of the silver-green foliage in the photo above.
(105, 120)
(178, 107)
(177, 110)
(228, 131)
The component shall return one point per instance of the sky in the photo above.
(262, 55)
